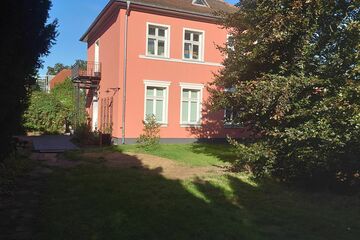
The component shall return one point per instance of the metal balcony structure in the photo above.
(86, 75)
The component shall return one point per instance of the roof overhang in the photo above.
(143, 7)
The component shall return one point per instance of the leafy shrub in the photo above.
(314, 137)
(45, 114)
(54, 112)
(83, 135)
(151, 133)
(255, 158)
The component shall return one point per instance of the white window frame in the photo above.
(97, 51)
(230, 123)
(201, 45)
(158, 84)
(205, 2)
(166, 39)
(197, 87)
(97, 56)
(232, 48)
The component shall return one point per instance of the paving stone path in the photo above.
(50, 144)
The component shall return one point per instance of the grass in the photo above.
(190, 154)
(93, 202)
(12, 168)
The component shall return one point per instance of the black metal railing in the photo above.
(86, 70)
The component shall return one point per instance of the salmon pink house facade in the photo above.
(155, 57)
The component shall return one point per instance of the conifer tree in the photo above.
(26, 36)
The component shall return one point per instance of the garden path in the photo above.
(51, 143)
(170, 169)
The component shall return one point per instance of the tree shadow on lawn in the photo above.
(96, 202)
(222, 151)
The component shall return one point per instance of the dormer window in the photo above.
(202, 3)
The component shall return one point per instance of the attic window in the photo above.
(200, 3)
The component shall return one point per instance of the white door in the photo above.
(95, 114)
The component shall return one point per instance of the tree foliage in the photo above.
(64, 92)
(58, 67)
(295, 72)
(26, 36)
(45, 113)
(50, 112)
(81, 63)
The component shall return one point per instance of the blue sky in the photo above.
(74, 18)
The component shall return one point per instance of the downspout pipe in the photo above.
(125, 71)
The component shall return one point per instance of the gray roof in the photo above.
(187, 6)
(179, 6)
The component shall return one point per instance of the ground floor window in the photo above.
(230, 115)
(156, 100)
(191, 98)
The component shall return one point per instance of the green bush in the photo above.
(255, 158)
(151, 133)
(83, 135)
(45, 114)
(312, 140)
(54, 112)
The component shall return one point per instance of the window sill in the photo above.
(190, 125)
(193, 60)
(163, 124)
(168, 59)
(156, 56)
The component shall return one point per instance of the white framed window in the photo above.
(202, 3)
(230, 42)
(230, 113)
(193, 46)
(97, 51)
(157, 40)
(191, 103)
(97, 57)
(156, 100)
(229, 118)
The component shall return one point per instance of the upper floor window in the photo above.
(193, 45)
(200, 3)
(157, 40)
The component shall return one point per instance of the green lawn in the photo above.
(95, 202)
(191, 154)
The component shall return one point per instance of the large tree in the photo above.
(26, 36)
(58, 67)
(294, 75)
